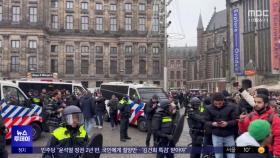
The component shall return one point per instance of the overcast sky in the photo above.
(184, 19)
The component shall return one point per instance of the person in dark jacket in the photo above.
(100, 109)
(124, 108)
(221, 116)
(258, 135)
(88, 109)
(181, 99)
(71, 134)
(54, 111)
(71, 99)
(195, 117)
(3, 132)
(149, 110)
(113, 111)
(163, 124)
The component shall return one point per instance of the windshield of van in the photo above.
(147, 93)
(13, 96)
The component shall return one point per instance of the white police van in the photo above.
(73, 88)
(16, 109)
(143, 91)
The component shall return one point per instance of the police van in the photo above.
(142, 91)
(73, 88)
(17, 110)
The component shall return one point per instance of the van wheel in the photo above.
(106, 117)
(36, 131)
(141, 124)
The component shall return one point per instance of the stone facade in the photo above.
(255, 41)
(177, 65)
(93, 41)
(207, 68)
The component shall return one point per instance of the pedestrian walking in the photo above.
(113, 111)
(88, 110)
(99, 109)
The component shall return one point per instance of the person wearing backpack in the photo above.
(113, 110)
(262, 110)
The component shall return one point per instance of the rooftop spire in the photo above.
(200, 24)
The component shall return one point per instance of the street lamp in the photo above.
(166, 25)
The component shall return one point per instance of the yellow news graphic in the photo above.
(261, 150)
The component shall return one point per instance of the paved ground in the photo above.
(111, 138)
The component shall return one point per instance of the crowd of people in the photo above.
(245, 117)
(54, 102)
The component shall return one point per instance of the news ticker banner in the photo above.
(22, 144)
(142, 150)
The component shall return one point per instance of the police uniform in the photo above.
(195, 121)
(68, 136)
(124, 108)
(163, 125)
(37, 101)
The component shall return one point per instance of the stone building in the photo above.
(88, 41)
(177, 65)
(207, 69)
(257, 40)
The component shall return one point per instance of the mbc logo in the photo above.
(258, 13)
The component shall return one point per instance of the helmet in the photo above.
(72, 115)
(195, 102)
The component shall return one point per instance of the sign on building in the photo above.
(236, 40)
(275, 35)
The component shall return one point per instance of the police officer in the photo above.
(36, 99)
(124, 108)
(3, 132)
(196, 125)
(163, 125)
(150, 109)
(71, 134)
